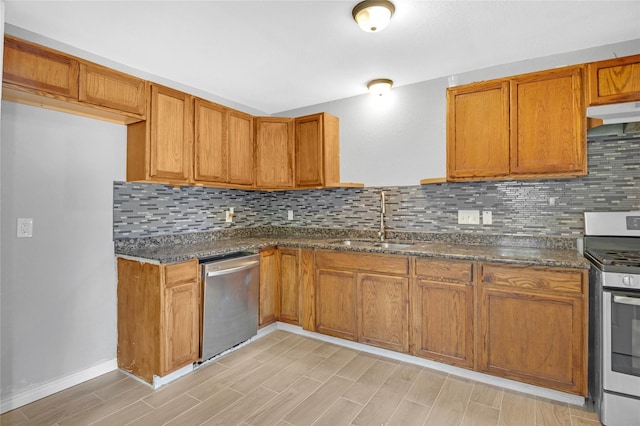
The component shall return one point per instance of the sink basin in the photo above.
(393, 245)
(355, 243)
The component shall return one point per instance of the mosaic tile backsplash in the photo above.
(549, 207)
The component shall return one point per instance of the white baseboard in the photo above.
(13, 401)
(456, 371)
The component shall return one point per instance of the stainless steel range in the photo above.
(612, 245)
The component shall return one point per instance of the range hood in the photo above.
(616, 113)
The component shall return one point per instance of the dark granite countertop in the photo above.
(496, 251)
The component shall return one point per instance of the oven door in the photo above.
(621, 342)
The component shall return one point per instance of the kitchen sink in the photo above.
(355, 243)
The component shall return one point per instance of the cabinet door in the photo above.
(383, 311)
(289, 261)
(268, 306)
(182, 329)
(614, 81)
(478, 131)
(533, 326)
(240, 148)
(171, 131)
(336, 303)
(548, 123)
(308, 152)
(274, 152)
(43, 70)
(443, 310)
(112, 89)
(210, 142)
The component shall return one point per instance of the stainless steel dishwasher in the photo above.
(230, 301)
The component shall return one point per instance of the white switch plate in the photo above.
(25, 227)
(228, 215)
(290, 215)
(487, 217)
(469, 217)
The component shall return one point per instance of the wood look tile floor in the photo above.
(285, 379)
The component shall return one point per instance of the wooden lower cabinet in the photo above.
(363, 297)
(289, 285)
(443, 311)
(383, 311)
(267, 307)
(158, 317)
(533, 324)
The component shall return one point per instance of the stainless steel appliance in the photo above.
(230, 302)
(612, 245)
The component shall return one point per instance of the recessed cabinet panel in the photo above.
(111, 89)
(210, 142)
(182, 317)
(240, 148)
(614, 81)
(309, 171)
(478, 131)
(35, 67)
(548, 123)
(335, 293)
(171, 134)
(274, 152)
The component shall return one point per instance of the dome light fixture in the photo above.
(379, 86)
(373, 15)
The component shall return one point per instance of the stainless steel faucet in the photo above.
(383, 210)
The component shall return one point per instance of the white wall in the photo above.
(405, 141)
(58, 312)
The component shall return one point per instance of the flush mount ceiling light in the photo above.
(379, 86)
(373, 15)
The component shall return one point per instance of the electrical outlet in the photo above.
(469, 217)
(290, 215)
(25, 227)
(228, 215)
(487, 217)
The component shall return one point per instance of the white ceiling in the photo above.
(274, 56)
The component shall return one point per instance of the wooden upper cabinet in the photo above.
(38, 76)
(35, 67)
(105, 87)
(526, 126)
(478, 131)
(317, 150)
(240, 153)
(614, 81)
(274, 152)
(210, 142)
(171, 132)
(548, 123)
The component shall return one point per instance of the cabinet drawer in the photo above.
(178, 273)
(523, 277)
(387, 264)
(444, 270)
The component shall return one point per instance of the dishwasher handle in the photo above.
(231, 270)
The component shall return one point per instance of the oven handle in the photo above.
(626, 300)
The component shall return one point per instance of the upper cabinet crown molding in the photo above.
(613, 81)
(39, 76)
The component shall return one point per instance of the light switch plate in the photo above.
(25, 227)
(487, 217)
(290, 215)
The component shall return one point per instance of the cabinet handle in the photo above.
(626, 300)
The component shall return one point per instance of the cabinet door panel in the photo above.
(182, 329)
(613, 81)
(111, 89)
(383, 311)
(289, 285)
(443, 318)
(478, 131)
(548, 123)
(268, 306)
(336, 303)
(534, 338)
(210, 142)
(274, 152)
(309, 158)
(240, 148)
(38, 68)
(171, 134)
